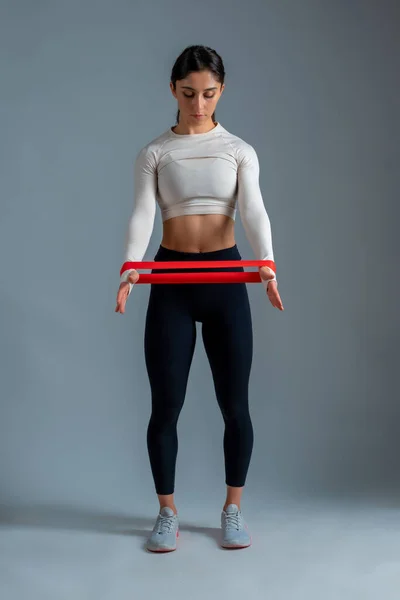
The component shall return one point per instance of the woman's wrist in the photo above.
(265, 282)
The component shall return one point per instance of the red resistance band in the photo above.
(208, 277)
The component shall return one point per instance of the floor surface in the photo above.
(312, 551)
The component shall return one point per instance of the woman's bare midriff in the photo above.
(198, 233)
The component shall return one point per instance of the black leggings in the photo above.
(170, 337)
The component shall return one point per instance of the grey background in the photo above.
(313, 86)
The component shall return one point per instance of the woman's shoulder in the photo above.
(150, 151)
(243, 149)
(238, 142)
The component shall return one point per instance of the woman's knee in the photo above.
(165, 415)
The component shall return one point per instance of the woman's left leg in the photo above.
(228, 341)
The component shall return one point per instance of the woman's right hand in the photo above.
(123, 291)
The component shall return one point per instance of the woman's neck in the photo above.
(185, 129)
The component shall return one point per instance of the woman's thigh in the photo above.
(228, 341)
(169, 342)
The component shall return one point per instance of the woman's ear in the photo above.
(171, 85)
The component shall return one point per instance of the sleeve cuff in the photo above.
(124, 279)
(266, 282)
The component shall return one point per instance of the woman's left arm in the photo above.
(255, 219)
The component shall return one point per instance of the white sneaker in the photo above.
(165, 532)
(235, 533)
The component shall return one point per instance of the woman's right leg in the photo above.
(170, 337)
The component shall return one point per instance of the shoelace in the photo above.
(164, 524)
(233, 521)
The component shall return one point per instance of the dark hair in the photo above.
(197, 58)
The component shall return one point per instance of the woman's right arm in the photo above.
(141, 222)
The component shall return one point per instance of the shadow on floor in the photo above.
(72, 518)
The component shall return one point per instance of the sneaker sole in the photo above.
(163, 549)
(235, 546)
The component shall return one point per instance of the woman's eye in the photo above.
(186, 96)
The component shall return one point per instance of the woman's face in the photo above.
(197, 94)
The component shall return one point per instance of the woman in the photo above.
(196, 172)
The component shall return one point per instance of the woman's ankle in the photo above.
(167, 500)
(169, 506)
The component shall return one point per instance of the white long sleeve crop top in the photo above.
(202, 173)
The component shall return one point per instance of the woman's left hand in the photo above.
(272, 288)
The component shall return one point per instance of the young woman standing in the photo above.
(199, 174)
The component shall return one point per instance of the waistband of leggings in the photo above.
(231, 253)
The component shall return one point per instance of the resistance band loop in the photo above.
(201, 277)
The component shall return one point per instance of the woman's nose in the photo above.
(197, 107)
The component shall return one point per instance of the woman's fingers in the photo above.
(120, 307)
(273, 295)
(123, 291)
(276, 301)
(122, 297)
(266, 274)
